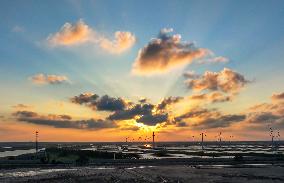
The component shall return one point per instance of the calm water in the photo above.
(174, 149)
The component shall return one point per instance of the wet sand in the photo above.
(174, 173)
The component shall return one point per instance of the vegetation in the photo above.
(80, 157)
(162, 153)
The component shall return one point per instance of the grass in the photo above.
(65, 155)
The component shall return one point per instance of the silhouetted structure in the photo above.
(153, 135)
(278, 135)
(36, 141)
(220, 139)
(272, 136)
(202, 140)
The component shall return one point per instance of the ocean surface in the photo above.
(145, 150)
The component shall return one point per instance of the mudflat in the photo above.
(174, 173)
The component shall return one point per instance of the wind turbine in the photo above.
(202, 140)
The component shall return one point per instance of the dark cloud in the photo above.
(263, 117)
(104, 103)
(130, 113)
(85, 98)
(122, 110)
(166, 52)
(153, 119)
(168, 101)
(220, 122)
(209, 118)
(182, 124)
(143, 100)
(62, 121)
(25, 114)
(212, 97)
(130, 128)
(263, 120)
(197, 112)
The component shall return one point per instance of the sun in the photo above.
(146, 128)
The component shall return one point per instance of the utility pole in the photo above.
(153, 135)
(36, 142)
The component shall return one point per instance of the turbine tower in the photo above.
(153, 135)
(202, 140)
(36, 141)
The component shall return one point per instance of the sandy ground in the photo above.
(178, 173)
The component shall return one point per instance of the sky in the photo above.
(110, 70)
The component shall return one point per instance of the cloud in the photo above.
(267, 114)
(181, 124)
(276, 108)
(278, 96)
(168, 101)
(71, 34)
(21, 106)
(62, 121)
(197, 113)
(42, 79)
(227, 81)
(165, 53)
(154, 114)
(212, 97)
(122, 42)
(220, 122)
(81, 33)
(18, 28)
(143, 100)
(191, 75)
(218, 59)
(209, 118)
(130, 128)
(132, 111)
(263, 120)
(153, 119)
(263, 117)
(144, 112)
(120, 109)
(104, 103)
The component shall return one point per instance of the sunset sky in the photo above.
(107, 70)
